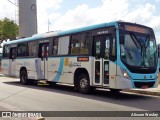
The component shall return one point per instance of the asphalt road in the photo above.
(17, 97)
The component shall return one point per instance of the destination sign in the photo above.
(137, 29)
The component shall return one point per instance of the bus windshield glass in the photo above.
(138, 50)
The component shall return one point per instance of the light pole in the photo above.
(48, 24)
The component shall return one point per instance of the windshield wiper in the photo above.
(147, 41)
(135, 40)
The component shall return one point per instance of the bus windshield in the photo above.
(138, 50)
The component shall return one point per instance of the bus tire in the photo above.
(24, 77)
(83, 84)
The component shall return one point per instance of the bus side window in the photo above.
(22, 50)
(80, 43)
(6, 51)
(63, 45)
(12, 53)
(32, 48)
(40, 51)
(55, 46)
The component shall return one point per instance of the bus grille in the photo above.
(141, 84)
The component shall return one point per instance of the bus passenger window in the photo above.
(6, 51)
(80, 44)
(32, 47)
(22, 50)
(55, 46)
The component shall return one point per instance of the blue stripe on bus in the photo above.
(60, 70)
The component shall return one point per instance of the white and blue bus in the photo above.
(117, 55)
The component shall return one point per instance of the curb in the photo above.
(144, 92)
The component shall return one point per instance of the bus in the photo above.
(117, 55)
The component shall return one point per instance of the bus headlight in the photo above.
(125, 74)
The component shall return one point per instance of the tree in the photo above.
(8, 30)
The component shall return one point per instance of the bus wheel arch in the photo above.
(82, 80)
(23, 76)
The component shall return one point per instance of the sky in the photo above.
(69, 14)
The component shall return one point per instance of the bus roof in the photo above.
(61, 33)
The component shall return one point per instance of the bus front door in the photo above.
(101, 60)
(12, 61)
(43, 54)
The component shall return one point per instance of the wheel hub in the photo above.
(83, 83)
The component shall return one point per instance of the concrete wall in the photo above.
(27, 18)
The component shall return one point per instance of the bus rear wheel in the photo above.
(83, 84)
(24, 77)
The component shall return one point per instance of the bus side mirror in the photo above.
(122, 41)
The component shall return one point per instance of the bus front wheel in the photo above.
(24, 77)
(83, 84)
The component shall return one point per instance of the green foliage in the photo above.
(8, 29)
